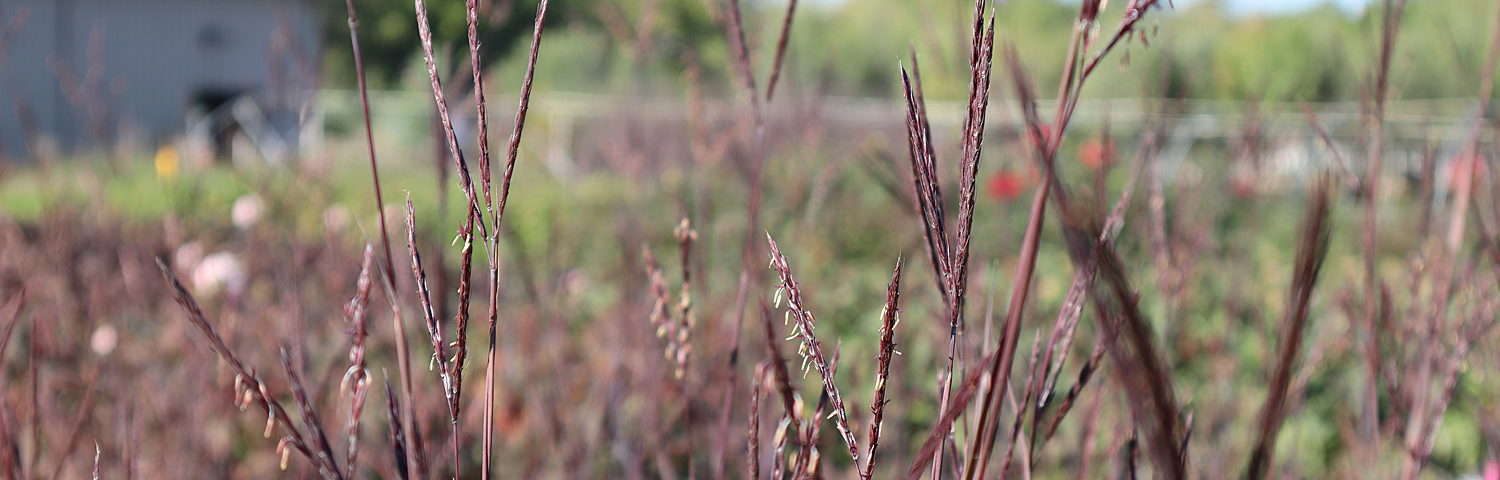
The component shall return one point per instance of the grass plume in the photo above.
(1312, 248)
(811, 350)
(890, 315)
(249, 389)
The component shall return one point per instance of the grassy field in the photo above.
(1066, 303)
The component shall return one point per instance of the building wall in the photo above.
(135, 67)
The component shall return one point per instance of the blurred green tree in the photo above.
(389, 42)
(851, 47)
(663, 34)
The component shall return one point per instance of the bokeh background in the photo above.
(227, 139)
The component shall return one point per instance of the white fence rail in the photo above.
(1412, 125)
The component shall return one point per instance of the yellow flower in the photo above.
(166, 163)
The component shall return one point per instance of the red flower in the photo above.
(1046, 136)
(1006, 185)
(1096, 154)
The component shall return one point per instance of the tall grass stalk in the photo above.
(249, 389)
(980, 60)
(512, 148)
(1427, 409)
(781, 41)
(811, 350)
(1375, 155)
(1312, 248)
(388, 269)
(890, 315)
(740, 55)
(356, 380)
(434, 327)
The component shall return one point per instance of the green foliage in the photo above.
(851, 48)
(592, 43)
(389, 42)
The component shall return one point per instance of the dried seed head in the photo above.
(285, 451)
(684, 231)
(245, 400)
(781, 431)
(270, 412)
(354, 376)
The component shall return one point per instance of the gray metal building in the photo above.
(84, 74)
